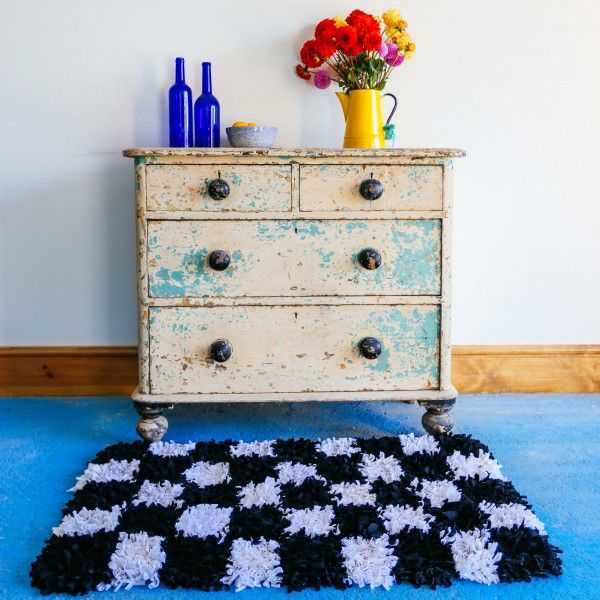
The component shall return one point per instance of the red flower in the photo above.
(309, 54)
(325, 49)
(302, 72)
(355, 50)
(324, 28)
(346, 38)
(356, 16)
(372, 40)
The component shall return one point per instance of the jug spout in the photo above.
(344, 101)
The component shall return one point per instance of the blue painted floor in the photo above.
(549, 446)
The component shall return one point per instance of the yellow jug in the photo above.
(364, 120)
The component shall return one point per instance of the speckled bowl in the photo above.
(251, 137)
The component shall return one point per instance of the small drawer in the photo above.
(402, 187)
(293, 348)
(248, 188)
(294, 258)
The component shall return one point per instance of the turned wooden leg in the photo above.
(437, 417)
(152, 424)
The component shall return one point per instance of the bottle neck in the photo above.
(206, 78)
(179, 70)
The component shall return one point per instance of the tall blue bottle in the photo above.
(180, 110)
(207, 115)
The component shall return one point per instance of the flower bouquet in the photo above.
(358, 53)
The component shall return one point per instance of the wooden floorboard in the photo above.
(104, 371)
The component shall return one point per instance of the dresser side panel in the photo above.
(446, 299)
(142, 277)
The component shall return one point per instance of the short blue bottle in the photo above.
(181, 130)
(207, 117)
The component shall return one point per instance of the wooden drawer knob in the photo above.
(221, 350)
(370, 347)
(370, 259)
(371, 189)
(219, 260)
(218, 189)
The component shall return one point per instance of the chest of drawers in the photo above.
(283, 275)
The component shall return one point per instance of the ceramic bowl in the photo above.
(251, 137)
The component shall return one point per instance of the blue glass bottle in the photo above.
(180, 110)
(207, 115)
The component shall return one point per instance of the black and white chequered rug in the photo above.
(337, 512)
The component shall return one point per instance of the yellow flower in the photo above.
(402, 40)
(402, 25)
(339, 22)
(391, 17)
(409, 49)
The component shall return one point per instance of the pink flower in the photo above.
(383, 50)
(398, 60)
(393, 58)
(322, 80)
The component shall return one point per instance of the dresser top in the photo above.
(286, 153)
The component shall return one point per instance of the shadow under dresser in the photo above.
(293, 275)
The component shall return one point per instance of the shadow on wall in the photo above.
(72, 240)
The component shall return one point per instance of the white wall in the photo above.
(515, 83)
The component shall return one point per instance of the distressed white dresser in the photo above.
(282, 275)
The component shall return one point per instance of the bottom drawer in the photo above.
(293, 348)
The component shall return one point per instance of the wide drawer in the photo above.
(293, 258)
(251, 187)
(293, 348)
(337, 187)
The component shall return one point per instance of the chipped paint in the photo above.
(317, 340)
(305, 257)
(252, 187)
(406, 187)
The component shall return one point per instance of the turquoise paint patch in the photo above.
(415, 333)
(179, 328)
(267, 231)
(417, 264)
(195, 259)
(325, 258)
(380, 364)
(161, 285)
(236, 179)
(417, 174)
(139, 160)
(309, 228)
(353, 225)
